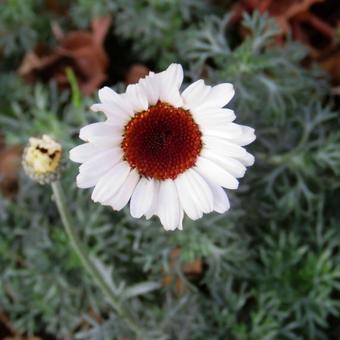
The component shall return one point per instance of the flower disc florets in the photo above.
(162, 142)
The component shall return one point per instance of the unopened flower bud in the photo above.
(42, 159)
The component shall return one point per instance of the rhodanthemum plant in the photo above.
(166, 152)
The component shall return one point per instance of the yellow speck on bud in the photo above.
(42, 159)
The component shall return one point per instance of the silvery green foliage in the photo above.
(270, 265)
(16, 37)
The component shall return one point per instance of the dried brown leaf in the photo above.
(136, 72)
(82, 51)
(10, 163)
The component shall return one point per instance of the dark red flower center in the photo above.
(162, 142)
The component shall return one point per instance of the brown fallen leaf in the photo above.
(10, 163)
(311, 22)
(136, 72)
(331, 63)
(56, 6)
(291, 15)
(82, 51)
(6, 322)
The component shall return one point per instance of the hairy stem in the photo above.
(85, 260)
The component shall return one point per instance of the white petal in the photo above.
(102, 162)
(233, 166)
(111, 182)
(151, 86)
(115, 115)
(142, 197)
(137, 98)
(84, 152)
(123, 104)
(216, 173)
(247, 136)
(121, 198)
(194, 194)
(219, 96)
(221, 201)
(174, 73)
(214, 116)
(235, 133)
(170, 82)
(229, 149)
(154, 205)
(117, 102)
(106, 94)
(181, 216)
(94, 129)
(188, 202)
(84, 182)
(88, 180)
(169, 209)
(247, 159)
(101, 134)
(195, 94)
(228, 131)
(93, 170)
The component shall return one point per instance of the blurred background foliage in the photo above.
(270, 267)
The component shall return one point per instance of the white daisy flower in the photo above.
(166, 152)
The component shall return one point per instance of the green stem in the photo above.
(85, 260)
